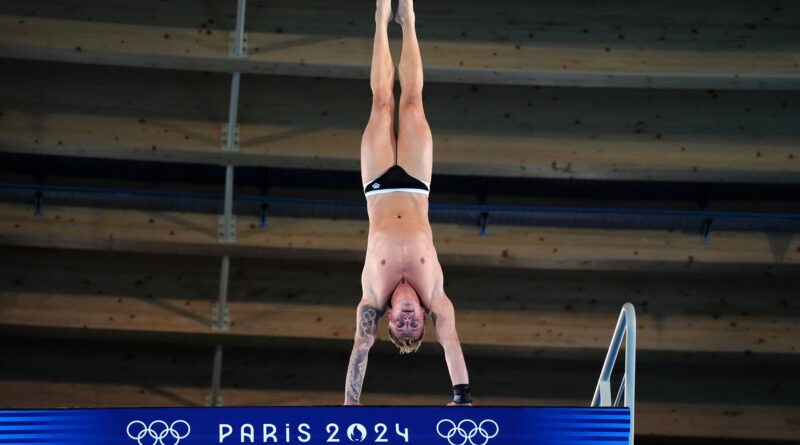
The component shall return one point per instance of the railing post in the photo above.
(629, 381)
(626, 326)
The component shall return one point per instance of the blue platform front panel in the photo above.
(318, 425)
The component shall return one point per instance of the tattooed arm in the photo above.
(366, 325)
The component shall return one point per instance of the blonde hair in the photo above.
(406, 345)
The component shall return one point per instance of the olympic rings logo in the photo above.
(158, 430)
(466, 430)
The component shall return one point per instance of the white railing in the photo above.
(626, 327)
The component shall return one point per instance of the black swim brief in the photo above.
(396, 180)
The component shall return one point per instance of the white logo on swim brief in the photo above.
(466, 430)
(376, 186)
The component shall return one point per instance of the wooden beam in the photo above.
(683, 158)
(718, 421)
(509, 63)
(194, 278)
(97, 294)
(506, 246)
(497, 131)
(603, 21)
(94, 316)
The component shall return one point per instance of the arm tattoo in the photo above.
(367, 321)
(367, 326)
(355, 374)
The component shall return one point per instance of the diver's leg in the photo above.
(378, 144)
(414, 140)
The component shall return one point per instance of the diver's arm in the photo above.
(444, 321)
(367, 316)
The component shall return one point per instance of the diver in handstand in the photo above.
(402, 276)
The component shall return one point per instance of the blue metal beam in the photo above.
(549, 216)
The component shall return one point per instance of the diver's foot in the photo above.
(405, 13)
(383, 11)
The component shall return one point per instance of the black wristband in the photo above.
(461, 394)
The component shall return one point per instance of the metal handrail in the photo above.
(626, 326)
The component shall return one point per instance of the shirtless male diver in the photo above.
(401, 270)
